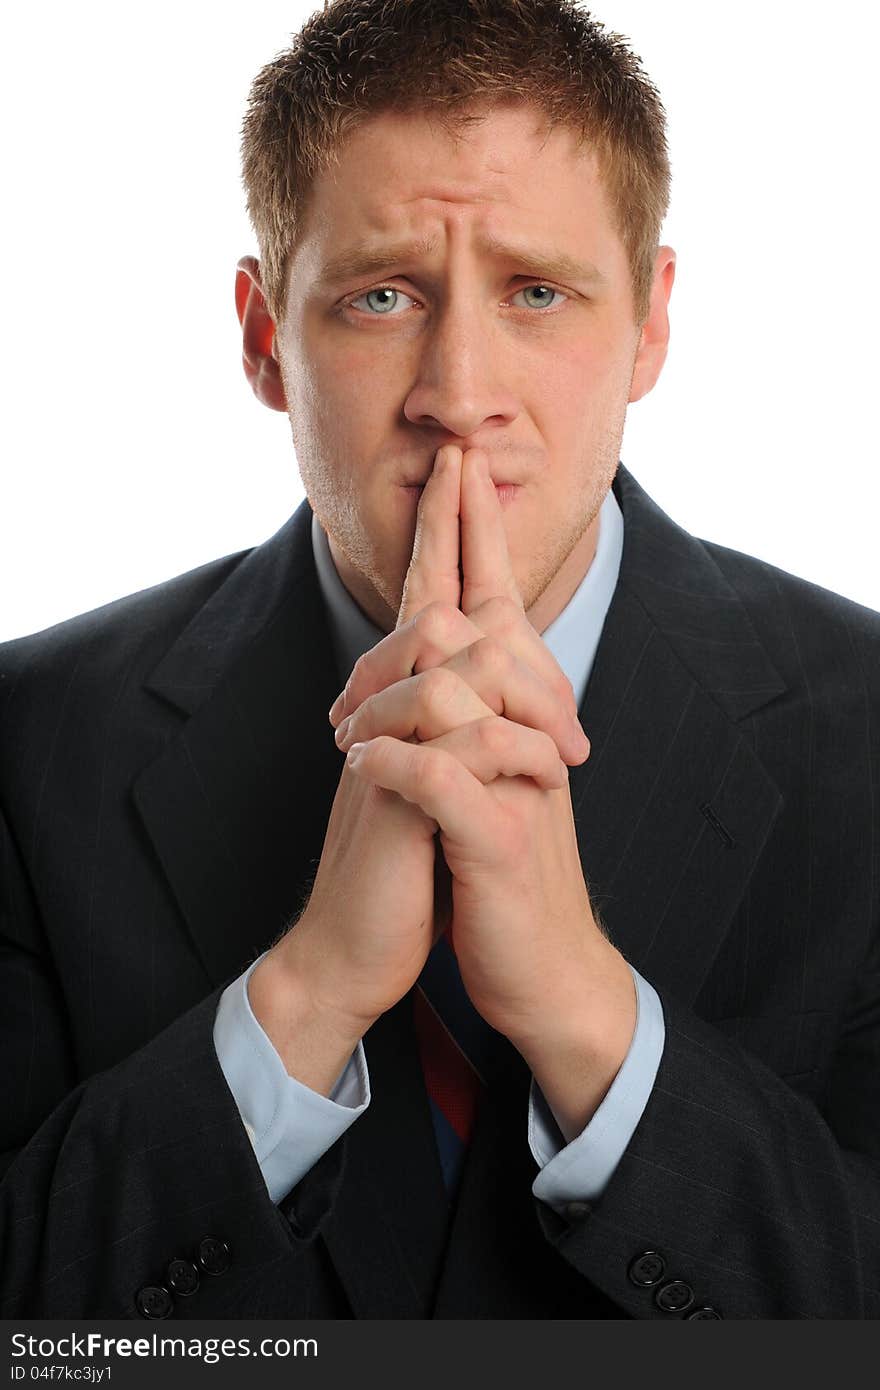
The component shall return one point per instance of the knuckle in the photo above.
(436, 621)
(496, 735)
(436, 626)
(371, 754)
(501, 614)
(489, 657)
(413, 762)
(437, 687)
(433, 770)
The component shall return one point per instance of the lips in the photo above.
(505, 492)
(420, 483)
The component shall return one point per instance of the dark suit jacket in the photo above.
(167, 775)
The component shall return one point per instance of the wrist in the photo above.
(313, 1040)
(577, 1049)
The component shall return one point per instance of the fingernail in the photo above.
(354, 753)
(336, 708)
(342, 731)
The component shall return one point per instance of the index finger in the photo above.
(485, 560)
(434, 575)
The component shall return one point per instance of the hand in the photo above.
(470, 669)
(531, 954)
(473, 705)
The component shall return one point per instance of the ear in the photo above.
(258, 333)
(654, 341)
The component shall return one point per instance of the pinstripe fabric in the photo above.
(166, 775)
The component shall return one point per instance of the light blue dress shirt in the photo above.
(290, 1125)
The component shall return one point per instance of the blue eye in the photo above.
(539, 290)
(387, 301)
(382, 300)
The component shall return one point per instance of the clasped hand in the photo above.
(464, 713)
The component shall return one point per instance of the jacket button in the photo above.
(647, 1269)
(182, 1277)
(575, 1211)
(707, 1311)
(213, 1255)
(154, 1302)
(674, 1297)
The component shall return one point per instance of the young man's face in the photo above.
(496, 311)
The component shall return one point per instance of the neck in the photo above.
(545, 610)
(558, 593)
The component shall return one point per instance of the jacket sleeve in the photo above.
(740, 1190)
(106, 1181)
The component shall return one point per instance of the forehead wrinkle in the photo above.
(374, 257)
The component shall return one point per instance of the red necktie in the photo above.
(457, 1048)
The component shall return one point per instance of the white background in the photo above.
(132, 446)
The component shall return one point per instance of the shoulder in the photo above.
(125, 636)
(805, 628)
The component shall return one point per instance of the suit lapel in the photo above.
(238, 803)
(672, 807)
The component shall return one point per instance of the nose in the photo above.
(459, 384)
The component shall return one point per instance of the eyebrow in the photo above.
(373, 259)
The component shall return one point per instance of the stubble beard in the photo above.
(557, 548)
(561, 539)
(358, 557)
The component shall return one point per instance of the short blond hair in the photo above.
(452, 59)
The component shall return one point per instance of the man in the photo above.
(481, 1019)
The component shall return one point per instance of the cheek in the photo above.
(349, 385)
(327, 400)
(563, 398)
(584, 380)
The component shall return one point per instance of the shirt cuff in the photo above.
(581, 1170)
(289, 1125)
